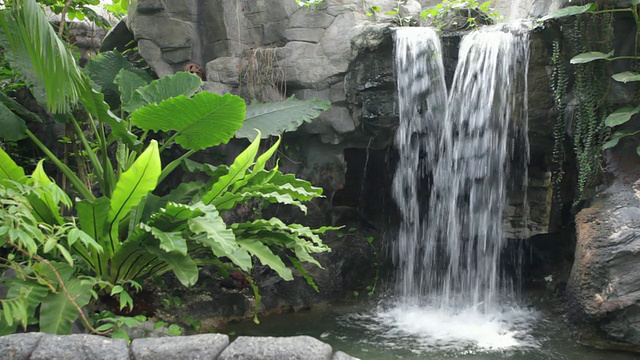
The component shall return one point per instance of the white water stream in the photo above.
(450, 287)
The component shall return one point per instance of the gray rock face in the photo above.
(604, 287)
(271, 348)
(205, 346)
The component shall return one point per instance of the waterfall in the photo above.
(422, 104)
(448, 251)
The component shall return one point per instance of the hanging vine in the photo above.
(559, 85)
(590, 33)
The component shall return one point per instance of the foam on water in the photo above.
(432, 329)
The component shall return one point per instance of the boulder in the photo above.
(19, 346)
(273, 348)
(339, 355)
(603, 291)
(79, 347)
(203, 346)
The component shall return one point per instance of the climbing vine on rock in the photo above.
(592, 38)
(559, 84)
(591, 87)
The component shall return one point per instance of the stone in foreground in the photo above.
(194, 347)
(273, 348)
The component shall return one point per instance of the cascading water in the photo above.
(464, 229)
(448, 252)
(422, 99)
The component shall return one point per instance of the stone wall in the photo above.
(40, 346)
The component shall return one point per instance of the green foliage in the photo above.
(395, 13)
(592, 36)
(119, 7)
(39, 283)
(309, 3)
(278, 117)
(36, 53)
(569, 11)
(453, 15)
(189, 120)
(118, 232)
(559, 84)
(76, 9)
(105, 67)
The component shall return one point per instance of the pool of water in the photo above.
(405, 331)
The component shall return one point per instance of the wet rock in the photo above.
(339, 355)
(272, 348)
(603, 291)
(204, 346)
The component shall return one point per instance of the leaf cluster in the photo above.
(454, 15)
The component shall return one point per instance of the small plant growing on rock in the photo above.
(455, 15)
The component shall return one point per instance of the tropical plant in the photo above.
(453, 15)
(396, 13)
(117, 231)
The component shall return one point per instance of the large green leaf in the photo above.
(30, 293)
(216, 230)
(170, 241)
(287, 183)
(35, 51)
(626, 76)
(570, 11)
(261, 162)
(13, 127)
(93, 101)
(46, 203)
(58, 313)
(182, 266)
(275, 118)
(132, 259)
(590, 56)
(615, 138)
(9, 170)
(103, 70)
(133, 185)
(266, 257)
(182, 83)
(230, 199)
(621, 116)
(18, 109)
(236, 173)
(128, 82)
(92, 216)
(200, 122)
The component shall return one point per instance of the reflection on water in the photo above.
(404, 332)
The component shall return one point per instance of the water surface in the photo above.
(403, 332)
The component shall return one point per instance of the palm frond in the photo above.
(35, 51)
